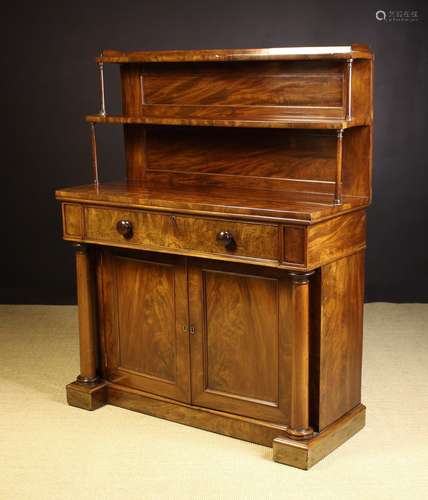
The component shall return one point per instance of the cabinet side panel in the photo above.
(362, 91)
(357, 160)
(335, 238)
(340, 341)
(134, 136)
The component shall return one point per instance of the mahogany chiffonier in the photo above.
(221, 284)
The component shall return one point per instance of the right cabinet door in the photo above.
(240, 348)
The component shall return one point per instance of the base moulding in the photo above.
(301, 454)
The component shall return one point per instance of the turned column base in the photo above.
(300, 433)
(305, 453)
(88, 396)
(83, 380)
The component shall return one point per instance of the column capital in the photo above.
(300, 278)
(80, 247)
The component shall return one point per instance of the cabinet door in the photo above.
(144, 310)
(240, 350)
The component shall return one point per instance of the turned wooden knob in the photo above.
(124, 227)
(226, 239)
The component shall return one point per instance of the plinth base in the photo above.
(297, 453)
(88, 397)
(304, 454)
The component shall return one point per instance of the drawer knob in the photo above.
(124, 227)
(226, 239)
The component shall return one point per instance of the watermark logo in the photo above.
(397, 16)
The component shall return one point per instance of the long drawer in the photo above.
(149, 230)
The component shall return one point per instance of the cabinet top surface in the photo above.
(209, 200)
(352, 51)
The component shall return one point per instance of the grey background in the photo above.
(49, 82)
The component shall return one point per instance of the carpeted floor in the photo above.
(49, 450)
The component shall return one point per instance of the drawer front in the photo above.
(176, 232)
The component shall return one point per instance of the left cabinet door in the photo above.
(143, 320)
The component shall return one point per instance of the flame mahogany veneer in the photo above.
(221, 284)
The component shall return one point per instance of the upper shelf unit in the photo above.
(300, 87)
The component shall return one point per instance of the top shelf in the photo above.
(300, 87)
(226, 55)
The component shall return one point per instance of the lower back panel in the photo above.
(273, 156)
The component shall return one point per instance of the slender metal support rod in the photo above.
(349, 110)
(94, 155)
(339, 164)
(103, 101)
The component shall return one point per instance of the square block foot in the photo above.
(88, 397)
(304, 454)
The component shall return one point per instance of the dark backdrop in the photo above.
(49, 82)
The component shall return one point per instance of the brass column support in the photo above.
(349, 108)
(339, 168)
(102, 94)
(87, 326)
(94, 155)
(299, 427)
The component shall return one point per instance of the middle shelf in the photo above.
(230, 116)
(328, 162)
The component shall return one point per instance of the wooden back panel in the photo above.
(281, 160)
(243, 155)
(274, 159)
(295, 83)
(275, 89)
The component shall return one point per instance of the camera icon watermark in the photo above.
(380, 15)
(397, 16)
